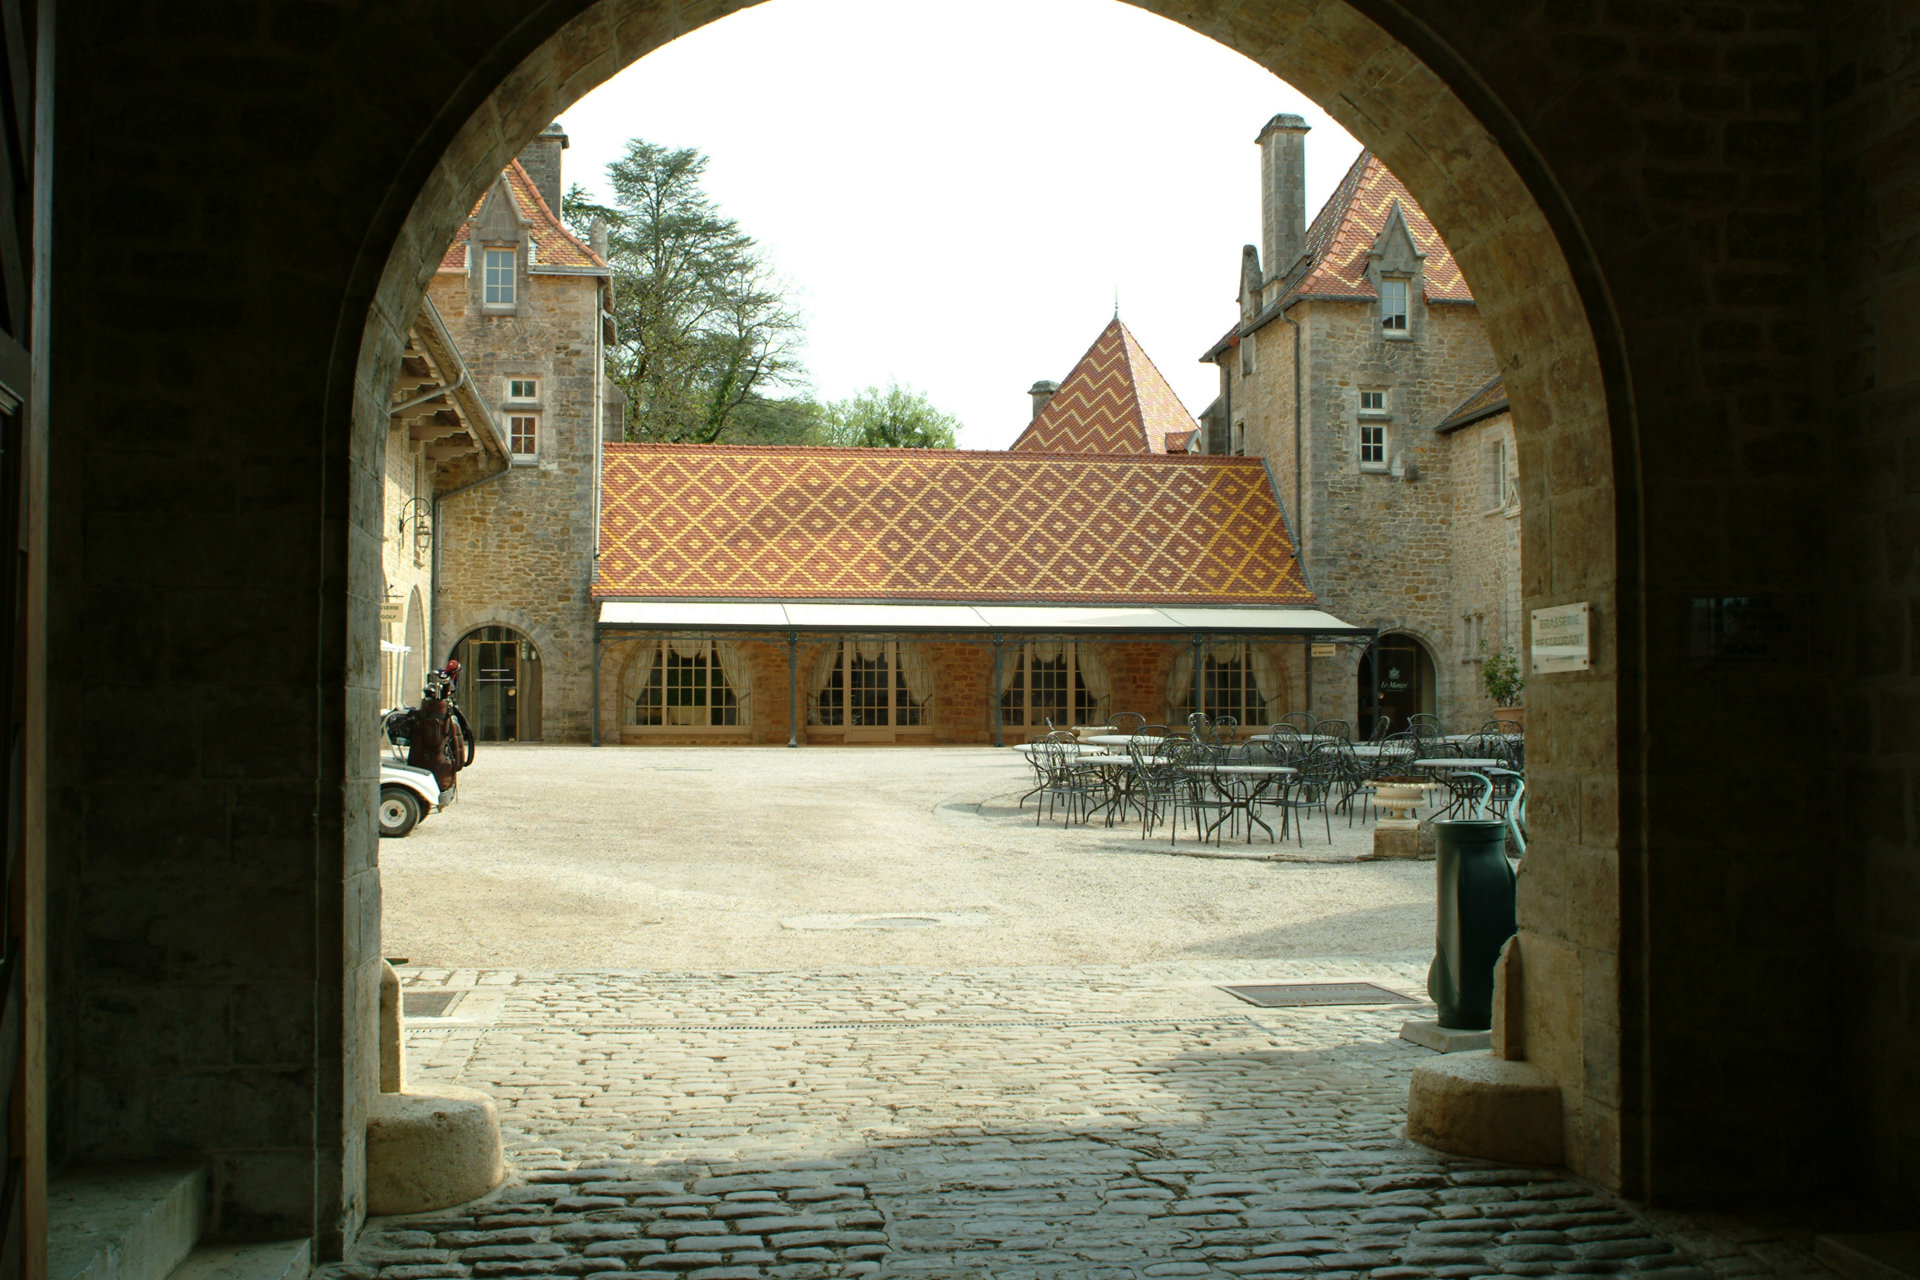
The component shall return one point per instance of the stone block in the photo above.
(393, 1062)
(431, 1149)
(1474, 1104)
(1395, 838)
(1429, 1034)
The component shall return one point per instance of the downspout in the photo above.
(1299, 515)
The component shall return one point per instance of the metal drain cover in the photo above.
(428, 1004)
(1292, 995)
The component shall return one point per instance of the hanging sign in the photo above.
(390, 610)
(1562, 638)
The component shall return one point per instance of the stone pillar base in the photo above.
(1395, 838)
(1474, 1104)
(431, 1148)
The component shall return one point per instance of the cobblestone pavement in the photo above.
(1088, 1123)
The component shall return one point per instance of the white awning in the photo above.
(875, 619)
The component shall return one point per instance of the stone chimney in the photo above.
(1042, 391)
(597, 236)
(541, 160)
(1283, 194)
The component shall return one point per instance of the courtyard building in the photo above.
(1354, 369)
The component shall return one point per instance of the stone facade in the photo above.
(517, 549)
(1483, 556)
(1374, 492)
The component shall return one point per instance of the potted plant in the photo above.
(1500, 676)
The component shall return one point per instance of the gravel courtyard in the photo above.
(566, 858)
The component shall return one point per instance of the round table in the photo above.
(1122, 740)
(1265, 773)
(1470, 764)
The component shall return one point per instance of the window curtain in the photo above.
(1266, 680)
(733, 665)
(687, 647)
(1180, 683)
(869, 650)
(918, 673)
(1011, 659)
(1223, 653)
(819, 676)
(1092, 665)
(1047, 652)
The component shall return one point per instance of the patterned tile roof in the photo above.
(1114, 401)
(1345, 230)
(781, 522)
(1484, 403)
(554, 245)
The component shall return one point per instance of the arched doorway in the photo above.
(499, 684)
(1522, 243)
(1405, 674)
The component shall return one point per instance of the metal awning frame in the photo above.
(980, 636)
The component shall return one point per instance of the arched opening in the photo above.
(499, 684)
(413, 664)
(1396, 680)
(1541, 334)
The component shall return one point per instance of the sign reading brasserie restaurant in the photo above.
(1561, 639)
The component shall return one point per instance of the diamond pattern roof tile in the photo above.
(1348, 224)
(939, 524)
(1115, 401)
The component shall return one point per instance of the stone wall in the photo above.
(1871, 120)
(1717, 952)
(1376, 543)
(406, 568)
(1483, 560)
(518, 549)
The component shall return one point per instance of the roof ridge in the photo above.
(1023, 455)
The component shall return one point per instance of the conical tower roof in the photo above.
(1114, 401)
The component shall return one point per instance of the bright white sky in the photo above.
(954, 192)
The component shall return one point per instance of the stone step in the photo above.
(274, 1260)
(123, 1222)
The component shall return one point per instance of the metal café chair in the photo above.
(1154, 783)
(1064, 782)
(1127, 722)
(1312, 787)
(1298, 721)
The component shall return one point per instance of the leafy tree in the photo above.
(793, 420)
(702, 327)
(897, 418)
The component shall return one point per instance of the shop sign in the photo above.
(1325, 650)
(390, 610)
(1562, 638)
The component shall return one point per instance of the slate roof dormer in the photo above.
(1115, 401)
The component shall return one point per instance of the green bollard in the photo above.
(1476, 888)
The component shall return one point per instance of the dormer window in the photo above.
(1393, 308)
(499, 280)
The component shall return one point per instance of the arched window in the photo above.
(1238, 680)
(871, 684)
(1064, 683)
(690, 683)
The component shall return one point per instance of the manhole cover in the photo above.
(1282, 996)
(427, 1004)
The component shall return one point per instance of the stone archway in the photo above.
(1551, 326)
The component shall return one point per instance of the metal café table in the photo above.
(1263, 776)
(1451, 764)
(1122, 740)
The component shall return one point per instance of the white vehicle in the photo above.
(407, 794)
